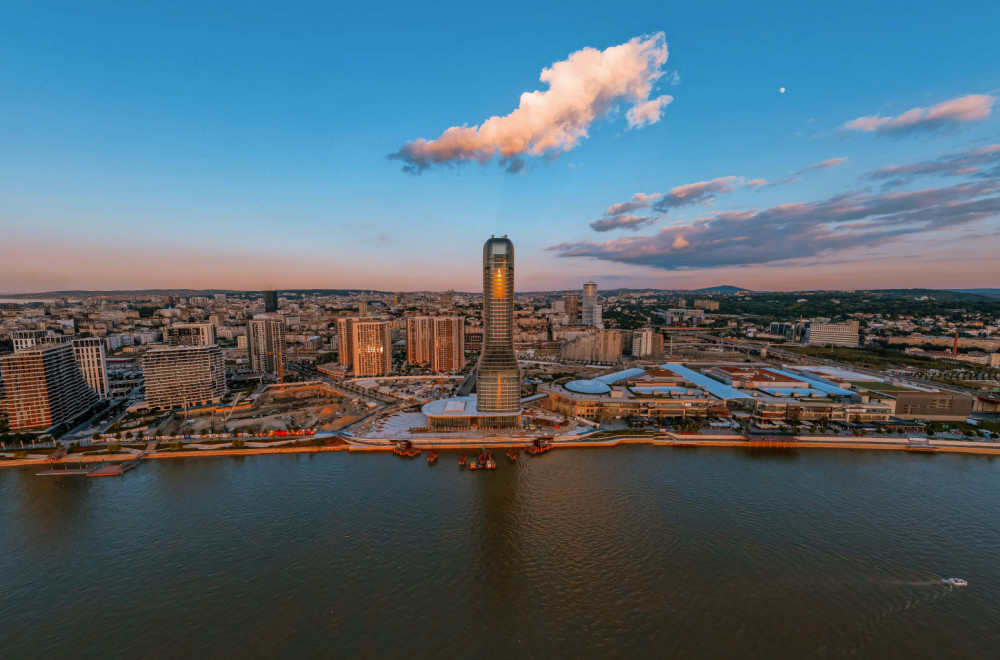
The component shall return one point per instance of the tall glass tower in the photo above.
(498, 387)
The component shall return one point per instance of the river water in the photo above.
(626, 552)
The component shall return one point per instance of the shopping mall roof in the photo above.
(587, 387)
(816, 383)
(620, 375)
(710, 385)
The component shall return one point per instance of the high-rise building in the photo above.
(419, 339)
(270, 302)
(591, 313)
(498, 382)
(26, 338)
(362, 309)
(43, 387)
(372, 348)
(572, 301)
(449, 344)
(184, 376)
(266, 346)
(189, 334)
(642, 342)
(89, 354)
(436, 341)
(345, 340)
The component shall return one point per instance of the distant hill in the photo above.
(990, 293)
(724, 290)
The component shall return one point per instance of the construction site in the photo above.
(277, 408)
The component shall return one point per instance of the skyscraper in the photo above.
(572, 307)
(419, 339)
(43, 387)
(270, 302)
(498, 388)
(372, 348)
(591, 312)
(266, 346)
(449, 344)
(345, 340)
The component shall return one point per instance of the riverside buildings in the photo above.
(183, 376)
(89, 355)
(372, 348)
(436, 341)
(266, 346)
(43, 387)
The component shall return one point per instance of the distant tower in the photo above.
(270, 302)
(572, 307)
(498, 388)
(590, 313)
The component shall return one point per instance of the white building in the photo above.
(89, 354)
(833, 334)
(184, 376)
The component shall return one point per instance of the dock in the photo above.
(101, 469)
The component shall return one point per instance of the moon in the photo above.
(781, 91)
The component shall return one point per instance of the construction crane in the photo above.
(232, 408)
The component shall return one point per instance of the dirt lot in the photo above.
(277, 410)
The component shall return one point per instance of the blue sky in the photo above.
(241, 145)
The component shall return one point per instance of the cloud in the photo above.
(835, 226)
(981, 163)
(638, 201)
(582, 88)
(649, 112)
(963, 109)
(826, 164)
(630, 222)
(703, 192)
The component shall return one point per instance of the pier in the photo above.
(101, 469)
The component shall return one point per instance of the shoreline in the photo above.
(666, 440)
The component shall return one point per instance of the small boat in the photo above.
(461, 459)
(472, 465)
(511, 455)
(957, 582)
(490, 464)
(431, 457)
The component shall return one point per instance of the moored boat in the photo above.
(431, 457)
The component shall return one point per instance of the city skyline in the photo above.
(624, 148)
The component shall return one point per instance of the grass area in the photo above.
(872, 358)
(876, 386)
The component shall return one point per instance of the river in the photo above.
(630, 552)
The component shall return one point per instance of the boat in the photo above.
(957, 582)
(511, 455)
(461, 459)
(472, 465)
(490, 464)
(431, 457)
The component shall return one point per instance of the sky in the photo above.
(244, 145)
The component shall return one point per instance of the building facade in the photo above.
(449, 344)
(90, 356)
(419, 339)
(270, 302)
(498, 385)
(266, 346)
(833, 334)
(43, 387)
(189, 334)
(372, 348)
(184, 376)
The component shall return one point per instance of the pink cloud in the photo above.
(967, 108)
(582, 88)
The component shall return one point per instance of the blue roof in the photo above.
(791, 391)
(587, 387)
(711, 385)
(658, 389)
(821, 385)
(620, 375)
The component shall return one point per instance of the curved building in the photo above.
(498, 382)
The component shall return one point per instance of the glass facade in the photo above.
(498, 387)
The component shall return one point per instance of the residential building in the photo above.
(372, 344)
(189, 334)
(89, 354)
(419, 339)
(43, 387)
(448, 354)
(183, 376)
(270, 302)
(266, 346)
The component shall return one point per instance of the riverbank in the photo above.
(661, 440)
